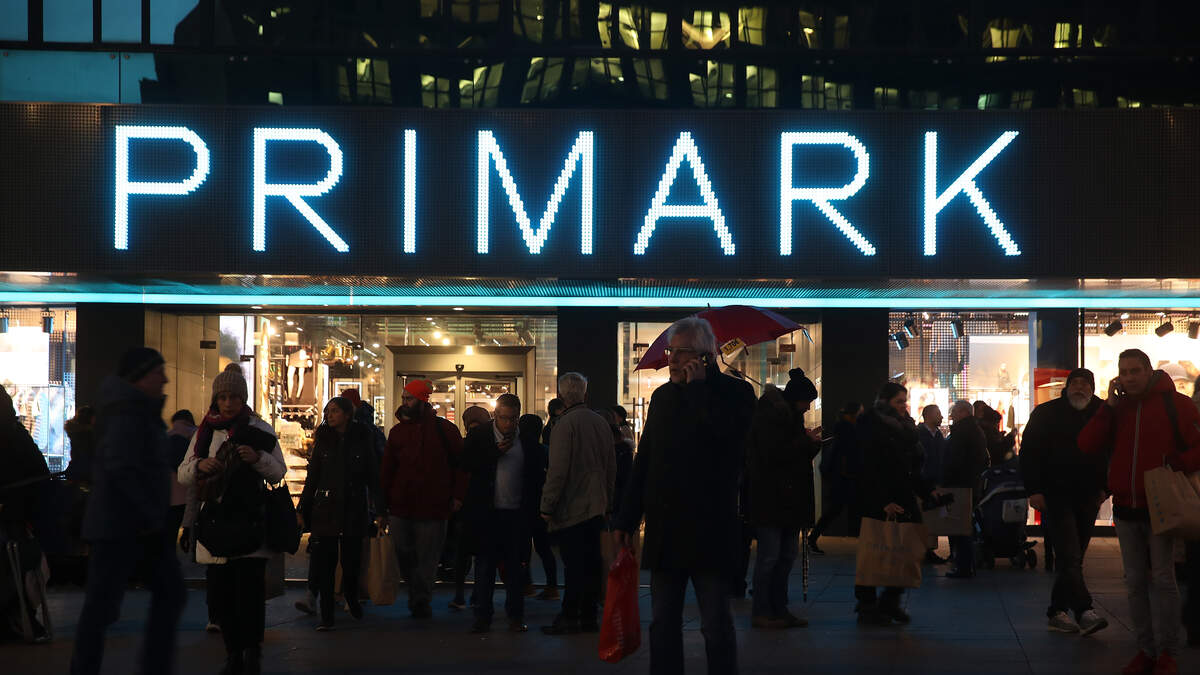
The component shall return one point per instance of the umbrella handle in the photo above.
(738, 372)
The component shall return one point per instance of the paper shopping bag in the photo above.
(953, 519)
(383, 574)
(621, 628)
(889, 554)
(1174, 503)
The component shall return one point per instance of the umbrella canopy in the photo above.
(750, 325)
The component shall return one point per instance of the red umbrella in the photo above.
(750, 325)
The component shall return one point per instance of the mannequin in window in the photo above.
(297, 362)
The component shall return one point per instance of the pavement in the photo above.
(994, 623)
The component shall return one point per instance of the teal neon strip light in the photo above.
(1067, 300)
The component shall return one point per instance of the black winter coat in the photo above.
(131, 490)
(1051, 462)
(779, 465)
(966, 456)
(342, 483)
(20, 460)
(479, 458)
(891, 471)
(686, 473)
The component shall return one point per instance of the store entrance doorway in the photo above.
(464, 376)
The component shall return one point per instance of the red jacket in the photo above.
(419, 476)
(1138, 431)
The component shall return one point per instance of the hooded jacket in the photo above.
(131, 488)
(1139, 435)
(1051, 462)
(779, 465)
(420, 475)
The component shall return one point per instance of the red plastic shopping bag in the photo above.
(621, 630)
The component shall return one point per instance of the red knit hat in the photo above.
(420, 389)
(352, 396)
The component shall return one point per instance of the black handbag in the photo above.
(229, 533)
(283, 532)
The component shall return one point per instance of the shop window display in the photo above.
(37, 369)
(1176, 352)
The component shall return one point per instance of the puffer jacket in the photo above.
(779, 465)
(1138, 433)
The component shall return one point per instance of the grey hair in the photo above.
(700, 330)
(963, 403)
(572, 388)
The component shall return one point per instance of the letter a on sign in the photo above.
(934, 202)
(685, 149)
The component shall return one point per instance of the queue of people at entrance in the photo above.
(712, 458)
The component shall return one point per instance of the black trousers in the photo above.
(1069, 523)
(323, 567)
(505, 539)
(237, 597)
(1191, 607)
(110, 566)
(541, 544)
(583, 565)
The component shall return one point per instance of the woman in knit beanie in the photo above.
(233, 452)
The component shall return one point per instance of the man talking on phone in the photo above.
(1146, 424)
(685, 484)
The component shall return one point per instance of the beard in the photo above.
(1079, 401)
(411, 412)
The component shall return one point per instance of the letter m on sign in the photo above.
(582, 154)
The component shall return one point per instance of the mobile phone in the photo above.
(706, 359)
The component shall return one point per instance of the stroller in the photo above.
(1000, 519)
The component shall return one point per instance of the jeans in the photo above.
(239, 601)
(505, 539)
(111, 563)
(418, 549)
(1070, 524)
(778, 549)
(583, 565)
(322, 567)
(667, 591)
(1150, 582)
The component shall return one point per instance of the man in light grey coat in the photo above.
(577, 499)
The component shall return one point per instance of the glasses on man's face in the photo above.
(506, 418)
(681, 352)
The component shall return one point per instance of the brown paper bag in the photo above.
(951, 520)
(889, 554)
(1174, 503)
(383, 573)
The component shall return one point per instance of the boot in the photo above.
(252, 661)
(234, 664)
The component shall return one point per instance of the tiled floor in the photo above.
(992, 624)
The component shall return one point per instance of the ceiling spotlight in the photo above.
(1113, 328)
(458, 309)
(1194, 329)
(911, 329)
(1165, 328)
(47, 321)
(1125, 316)
(901, 340)
(957, 329)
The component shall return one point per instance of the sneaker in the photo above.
(308, 605)
(1142, 664)
(548, 594)
(212, 628)
(458, 604)
(814, 549)
(1063, 623)
(1090, 622)
(324, 627)
(768, 623)
(794, 621)
(1166, 665)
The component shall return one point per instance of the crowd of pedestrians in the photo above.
(714, 468)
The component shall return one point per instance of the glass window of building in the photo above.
(37, 369)
(1170, 340)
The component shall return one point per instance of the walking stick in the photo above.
(804, 561)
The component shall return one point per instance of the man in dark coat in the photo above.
(23, 467)
(685, 483)
(507, 470)
(1068, 487)
(966, 459)
(127, 514)
(934, 462)
(779, 470)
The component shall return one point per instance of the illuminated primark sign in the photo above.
(580, 162)
(598, 195)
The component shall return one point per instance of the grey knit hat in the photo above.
(231, 381)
